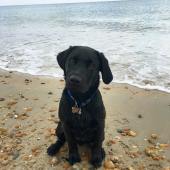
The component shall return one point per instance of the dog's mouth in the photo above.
(74, 88)
(74, 83)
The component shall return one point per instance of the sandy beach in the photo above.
(137, 132)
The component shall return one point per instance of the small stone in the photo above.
(15, 155)
(52, 131)
(164, 145)
(53, 110)
(35, 98)
(27, 80)
(114, 159)
(117, 137)
(15, 116)
(11, 103)
(154, 136)
(20, 134)
(2, 99)
(109, 164)
(27, 157)
(66, 165)
(7, 76)
(132, 133)
(130, 168)
(50, 93)
(4, 162)
(75, 167)
(33, 130)
(140, 116)
(36, 150)
(3, 131)
(106, 88)
(134, 146)
(119, 130)
(54, 161)
(28, 109)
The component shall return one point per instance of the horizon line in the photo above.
(6, 5)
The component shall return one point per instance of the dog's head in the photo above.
(81, 67)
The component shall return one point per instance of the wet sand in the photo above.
(137, 132)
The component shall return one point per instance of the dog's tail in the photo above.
(54, 148)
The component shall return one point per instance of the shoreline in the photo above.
(147, 87)
(137, 133)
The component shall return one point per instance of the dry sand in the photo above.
(137, 132)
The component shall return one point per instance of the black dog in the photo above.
(81, 109)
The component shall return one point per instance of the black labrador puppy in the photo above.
(81, 109)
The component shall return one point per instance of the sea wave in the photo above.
(133, 35)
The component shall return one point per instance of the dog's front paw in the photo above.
(97, 158)
(73, 158)
(96, 161)
(52, 149)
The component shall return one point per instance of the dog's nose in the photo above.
(75, 79)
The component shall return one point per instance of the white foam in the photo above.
(136, 43)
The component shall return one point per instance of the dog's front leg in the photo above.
(72, 145)
(97, 152)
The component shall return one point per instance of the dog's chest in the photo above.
(83, 126)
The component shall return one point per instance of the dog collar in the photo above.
(78, 105)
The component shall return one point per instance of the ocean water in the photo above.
(134, 35)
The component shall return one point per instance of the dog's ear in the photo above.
(105, 69)
(62, 57)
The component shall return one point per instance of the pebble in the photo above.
(3, 131)
(28, 109)
(11, 103)
(154, 136)
(140, 116)
(27, 80)
(54, 161)
(119, 130)
(50, 93)
(167, 168)
(117, 137)
(4, 162)
(15, 116)
(164, 145)
(132, 133)
(109, 164)
(66, 165)
(75, 167)
(114, 159)
(53, 110)
(130, 168)
(15, 155)
(2, 99)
